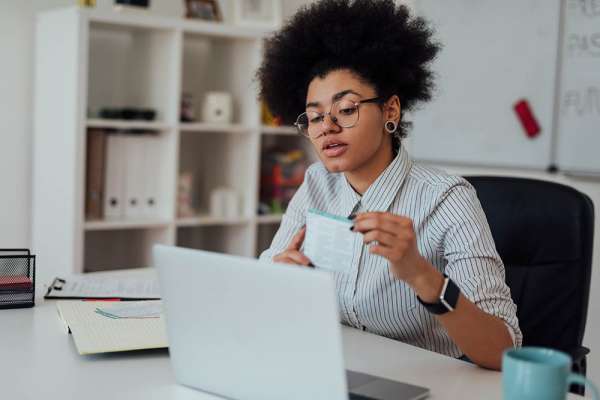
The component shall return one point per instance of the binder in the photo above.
(114, 177)
(94, 192)
(134, 175)
(152, 152)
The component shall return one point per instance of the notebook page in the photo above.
(95, 333)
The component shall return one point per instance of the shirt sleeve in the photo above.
(292, 221)
(473, 262)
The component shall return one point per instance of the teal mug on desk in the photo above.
(537, 373)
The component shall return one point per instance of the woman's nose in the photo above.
(329, 124)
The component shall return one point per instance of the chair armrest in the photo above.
(578, 353)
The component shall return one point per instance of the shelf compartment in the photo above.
(118, 249)
(127, 124)
(230, 65)
(104, 225)
(232, 239)
(279, 130)
(207, 220)
(265, 234)
(134, 170)
(219, 161)
(216, 128)
(269, 219)
(132, 67)
(284, 160)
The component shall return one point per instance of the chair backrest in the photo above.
(544, 234)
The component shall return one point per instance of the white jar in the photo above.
(224, 203)
(217, 108)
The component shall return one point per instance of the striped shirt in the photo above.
(452, 234)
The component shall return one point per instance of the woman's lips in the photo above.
(335, 150)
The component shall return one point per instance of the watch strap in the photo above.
(448, 298)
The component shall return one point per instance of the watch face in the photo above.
(447, 300)
(445, 304)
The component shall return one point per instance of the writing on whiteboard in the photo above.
(581, 103)
(582, 45)
(590, 8)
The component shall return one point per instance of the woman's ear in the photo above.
(392, 109)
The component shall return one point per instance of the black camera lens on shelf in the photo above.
(128, 113)
(111, 113)
(147, 114)
(135, 3)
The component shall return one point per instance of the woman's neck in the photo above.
(363, 177)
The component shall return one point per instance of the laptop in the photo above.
(244, 329)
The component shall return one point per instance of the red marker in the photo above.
(528, 120)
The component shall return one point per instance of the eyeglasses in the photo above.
(344, 113)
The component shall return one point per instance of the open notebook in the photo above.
(97, 333)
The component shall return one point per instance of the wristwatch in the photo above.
(448, 298)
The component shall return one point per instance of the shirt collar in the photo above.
(349, 197)
(380, 195)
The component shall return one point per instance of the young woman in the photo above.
(427, 272)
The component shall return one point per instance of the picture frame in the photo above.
(207, 10)
(258, 13)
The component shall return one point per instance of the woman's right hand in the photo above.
(292, 254)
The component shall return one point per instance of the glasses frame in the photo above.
(333, 119)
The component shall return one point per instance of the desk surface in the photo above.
(39, 361)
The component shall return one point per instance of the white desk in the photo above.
(38, 360)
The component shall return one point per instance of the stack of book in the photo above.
(15, 291)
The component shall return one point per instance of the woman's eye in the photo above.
(316, 120)
(348, 111)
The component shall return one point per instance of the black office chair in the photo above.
(544, 233)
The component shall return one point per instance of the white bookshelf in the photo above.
(269, 219)
(279, 130)
(208, 220)
(108, 225)
(87, 59)
(127, 125)
(215, 128)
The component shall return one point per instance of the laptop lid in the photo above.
(241, 328)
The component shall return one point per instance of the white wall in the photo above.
(16, 47)
(15, 134)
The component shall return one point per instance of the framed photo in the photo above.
(257, 13)
(203, 9)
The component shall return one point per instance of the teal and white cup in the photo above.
(537, 373)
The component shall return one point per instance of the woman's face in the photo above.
(346, 149)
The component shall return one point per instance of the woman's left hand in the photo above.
(395, 239)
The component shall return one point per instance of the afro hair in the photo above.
(379, 41)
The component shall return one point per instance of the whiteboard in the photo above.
(579, 116)
(494, 54)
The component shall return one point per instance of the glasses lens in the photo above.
(345, 113)
(308, 123)
(302, 124)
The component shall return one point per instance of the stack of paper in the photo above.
(94, 332)
(15, 290)
(138, 309)
(99, 287)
